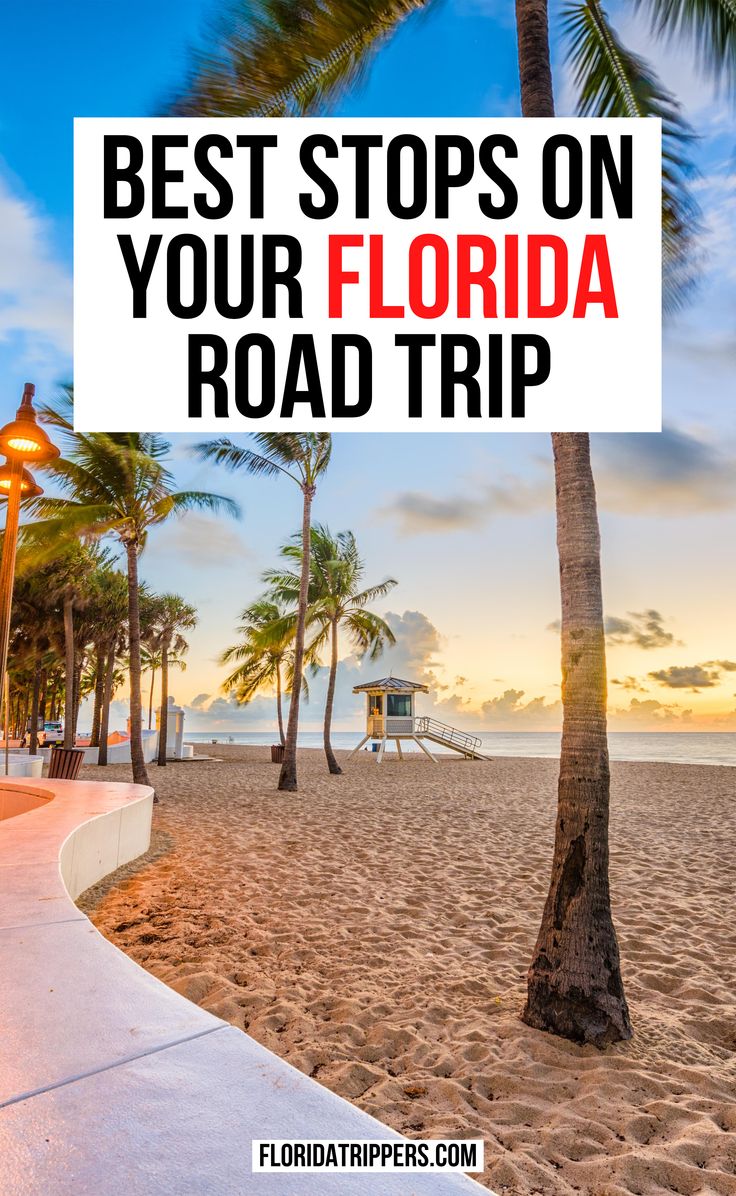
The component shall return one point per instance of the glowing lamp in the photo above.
(22, 439)
(29, 488)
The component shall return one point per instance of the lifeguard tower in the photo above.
(390, 715)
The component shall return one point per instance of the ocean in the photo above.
(678, 747)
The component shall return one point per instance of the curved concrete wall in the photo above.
(110, 1082)
(20, 764)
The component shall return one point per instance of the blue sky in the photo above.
(464, 522)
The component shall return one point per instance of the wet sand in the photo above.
(375, 930)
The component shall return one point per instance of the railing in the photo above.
(445, 734)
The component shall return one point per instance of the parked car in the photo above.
(53, 734)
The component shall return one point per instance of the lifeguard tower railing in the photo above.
(441, 733)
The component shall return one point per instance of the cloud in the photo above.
(207, 713)
(642, 629)
(201, 539)
(693, 677)
(649, 714)
(35, 289)
(670, 472)
(715, 193)
(629, 683)
(416, 511)
(509, 711)
(415, 655)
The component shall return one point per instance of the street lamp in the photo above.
(21, 440)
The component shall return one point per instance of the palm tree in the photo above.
(336, 600)
(117, 485)
(111, 609)
(302, 457)
(70, 582)
(261, 654)
(175, 616)
(151, 663)
(34, 617)
(273, 58)
(150, 645)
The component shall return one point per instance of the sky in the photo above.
(465, 522)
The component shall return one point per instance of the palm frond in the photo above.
(374, 592)
(710, 27)
(235, 456)
(612, 81)
(277, 58)
(182, 501)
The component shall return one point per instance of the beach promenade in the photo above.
(374, 930)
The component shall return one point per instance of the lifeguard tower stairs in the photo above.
(448, 737)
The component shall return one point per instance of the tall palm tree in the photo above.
(111, 611)
(34, 616)
(150, 644)
(336, 601)
(175, 616)
(151, 663)
(116, 485)
(303, 458)
(70, 582)
(276, 58)
(261, 655)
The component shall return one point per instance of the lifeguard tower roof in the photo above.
(392, 684)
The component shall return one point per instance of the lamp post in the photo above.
(20, 440)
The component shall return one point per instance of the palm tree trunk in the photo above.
(106, 699)
(287, 776)
(69, 655)
(332, 764)
(279, 705)
(94, 738)
(78, 669)
(574, 985)
(140, 775)
(574, 982)
(163, 722)
(150, 699)
(535, 68)
(35, 703)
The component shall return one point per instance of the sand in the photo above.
(375, 930)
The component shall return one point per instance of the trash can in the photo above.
(375, 747)
(65, 763)
(277, 753)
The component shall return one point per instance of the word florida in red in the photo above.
(476, 276)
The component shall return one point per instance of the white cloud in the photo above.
(200, 539)
(35, 288)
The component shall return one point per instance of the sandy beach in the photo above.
(375, 929)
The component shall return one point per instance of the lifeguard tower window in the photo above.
(398, 705)
(375, 704)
